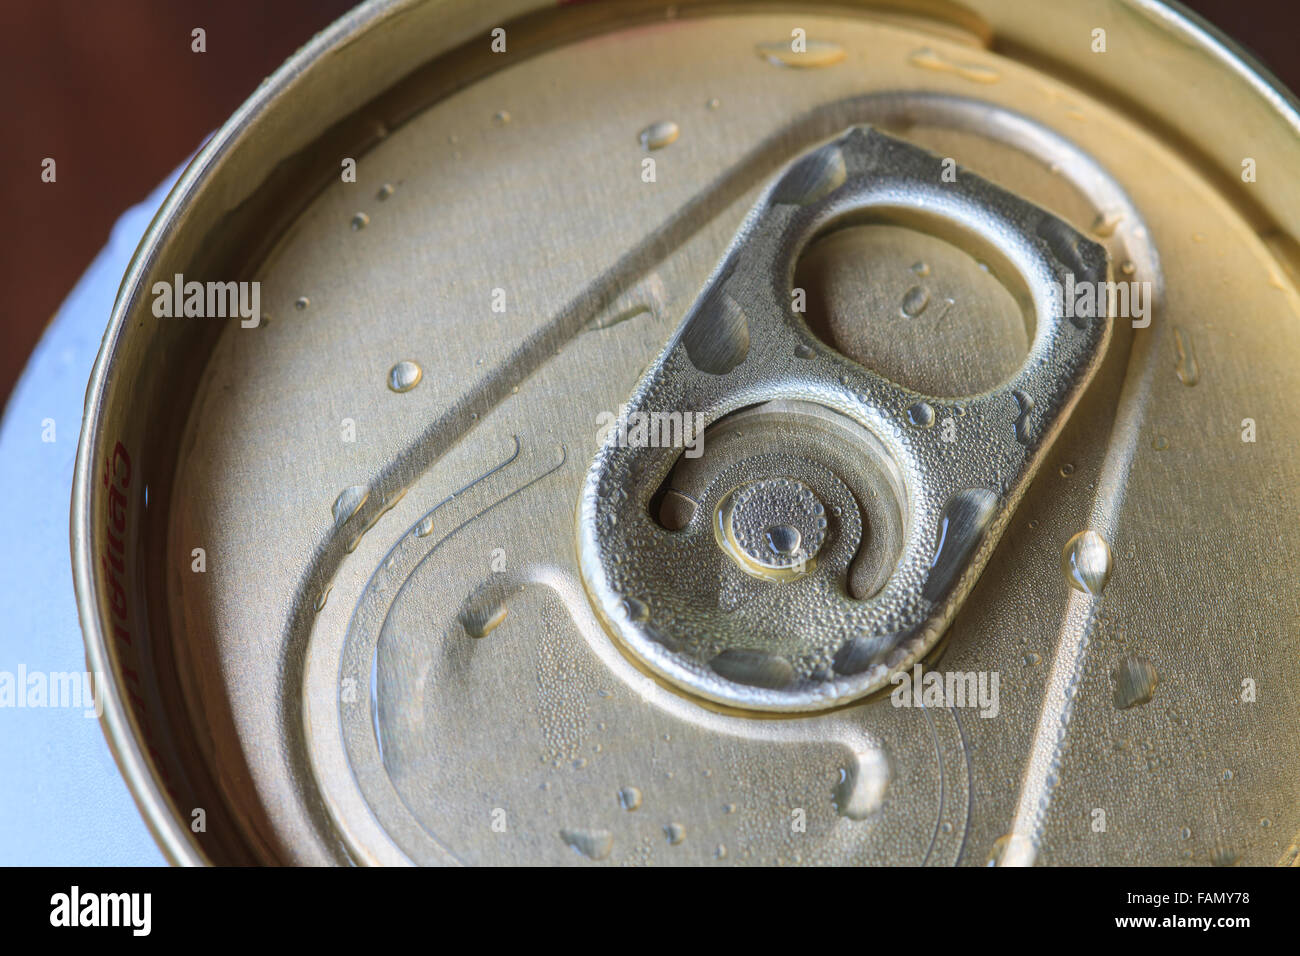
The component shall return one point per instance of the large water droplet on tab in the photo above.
(965, 518)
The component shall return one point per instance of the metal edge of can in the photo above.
(118, 724)
(1232, 54)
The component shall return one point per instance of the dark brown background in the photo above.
(110, 89)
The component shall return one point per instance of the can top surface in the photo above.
(390, 574)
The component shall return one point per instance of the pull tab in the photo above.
(820, 534)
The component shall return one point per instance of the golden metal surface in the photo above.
(247, 689)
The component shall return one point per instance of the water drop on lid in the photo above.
(360, 221)
(404, 376)
(658, 135)
(1086, 562)
(629, 798)
(385, 191)
(349, 502)
(501, 117)
(815, 54)
(1189, 372)
(915, 300)
(593, 844)
(301, 302)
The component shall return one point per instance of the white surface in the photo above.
(62, 800)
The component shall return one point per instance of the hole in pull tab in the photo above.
(915, 307)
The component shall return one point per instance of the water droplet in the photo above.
(1227, 776)
(1086, 562)
(1160, 443)
(1032, 659)
(484, 610)
(816, 54)
(812, 178)
(915, 300)
(803, 351)
(629, 798)
(301, 302)
(921, 415)
(1127, 267)
(1103, 227)
(675, 833)
(720, 853)
(1224, 857)
(1025, 405)
(861, 788)
(783, 539)
(593, 844)
(998, 850)
(716, 337)
(929, 59)
(404, 376)
(753, 668)
(385, 191)
(635, 609)
(349, 502)
(1067, 470)
(965, 518)
(501, 117)
(1135, 682)
(323, 597)
(360, 221)
(1189, 372)
(921, 268)
(658, 135)
(425, 527)
(1185, 833)
(713, 103)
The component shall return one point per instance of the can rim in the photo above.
(119, 726)
(175, 840)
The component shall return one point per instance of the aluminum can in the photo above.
(708, 434)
